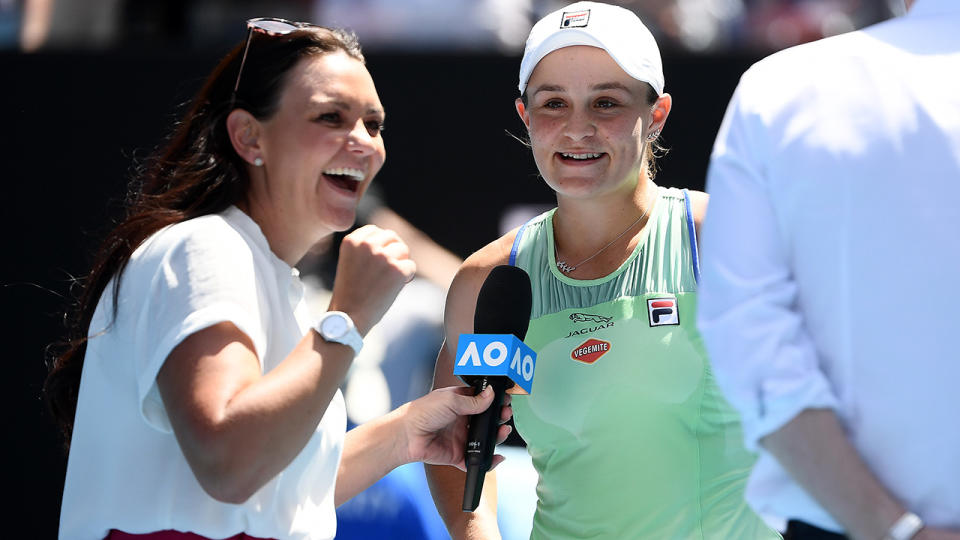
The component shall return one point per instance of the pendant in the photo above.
(564, 267)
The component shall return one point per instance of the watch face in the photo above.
(334, 326)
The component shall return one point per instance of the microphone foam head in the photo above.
(504, 303)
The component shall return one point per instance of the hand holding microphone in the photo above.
(494, 356)
(435, 426)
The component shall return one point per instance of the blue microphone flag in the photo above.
(502, 355)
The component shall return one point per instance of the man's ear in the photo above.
(244, 131)
(522, 111)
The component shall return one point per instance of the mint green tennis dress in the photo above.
(627, 429)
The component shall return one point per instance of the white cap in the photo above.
(612, 28)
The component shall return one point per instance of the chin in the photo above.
(575, 186)
(343, 222)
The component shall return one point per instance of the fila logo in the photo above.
(663, 311)
(590, 351)
(575, 19)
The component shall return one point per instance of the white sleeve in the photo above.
(197, 277)
(760, 351)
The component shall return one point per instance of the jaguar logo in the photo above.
(600, 322)
(587, 317)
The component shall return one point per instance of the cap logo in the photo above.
(575, 19)
(663, 311)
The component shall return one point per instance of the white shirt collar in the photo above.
(239, 219)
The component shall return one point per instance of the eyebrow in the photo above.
(596, 87)
(343, 105)
(610, 86)
(548, 88)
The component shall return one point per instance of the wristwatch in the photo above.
(338, 327)
(905, 528)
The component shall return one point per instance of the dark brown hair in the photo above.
(196, 172)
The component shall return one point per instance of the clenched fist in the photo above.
(374, 265)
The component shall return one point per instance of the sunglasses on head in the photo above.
(270, 26)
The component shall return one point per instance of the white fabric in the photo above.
(612, 28)
(831, 267)
(125, 469)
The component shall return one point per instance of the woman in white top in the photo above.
(197, 396)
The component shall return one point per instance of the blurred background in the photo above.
(90, 87)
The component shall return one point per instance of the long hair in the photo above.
(195, 173)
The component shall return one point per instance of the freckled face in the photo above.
(587, 120)
(323, 145)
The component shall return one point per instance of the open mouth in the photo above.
(344, 178)
(586, 157)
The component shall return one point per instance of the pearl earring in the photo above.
(258, 162)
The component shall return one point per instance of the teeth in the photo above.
(580, 156)
(354, 174)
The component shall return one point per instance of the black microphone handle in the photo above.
(481, 440)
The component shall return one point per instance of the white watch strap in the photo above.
(905, 528)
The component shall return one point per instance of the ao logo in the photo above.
(488, 355)
(494, 354)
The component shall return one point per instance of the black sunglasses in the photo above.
(270, 26)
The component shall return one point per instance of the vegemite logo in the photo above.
(663, 311)
(588, 317)
(575, 19)
(590, 351)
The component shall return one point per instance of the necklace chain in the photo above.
(566, 268)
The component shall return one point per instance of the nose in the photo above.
(579, 125)
(359, 141)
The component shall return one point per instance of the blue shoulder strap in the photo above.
(516, 242)
(692, 229)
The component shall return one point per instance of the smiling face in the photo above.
(588, 121)
(320, 150)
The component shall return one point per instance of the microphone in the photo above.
(495, 356)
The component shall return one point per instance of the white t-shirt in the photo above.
(125, 470)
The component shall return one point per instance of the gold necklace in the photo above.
(566, 268)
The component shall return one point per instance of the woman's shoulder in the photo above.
(476, 267)
(698, 205)
(474, 270)
(698, 201)
(210, 234)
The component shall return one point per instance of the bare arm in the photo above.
(35, 28)
(434, 262)
(237, 427)
(432, 429)
(447, 483)
(814, 449)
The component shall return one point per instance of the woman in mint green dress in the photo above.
(626, 428)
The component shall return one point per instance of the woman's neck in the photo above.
(282, 241)
(582, 225)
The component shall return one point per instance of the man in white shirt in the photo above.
(831, 278)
